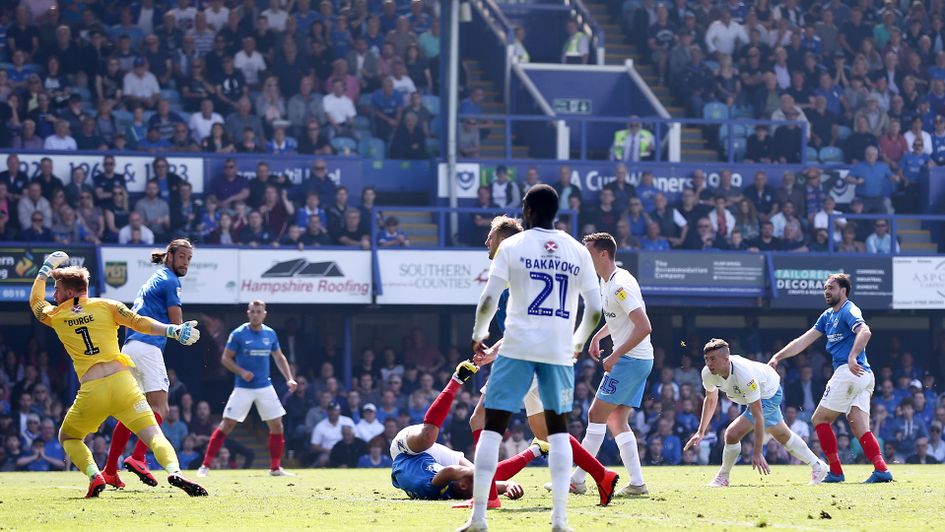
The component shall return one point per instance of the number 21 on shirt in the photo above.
(535, 308)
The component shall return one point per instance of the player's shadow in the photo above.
(529, 510)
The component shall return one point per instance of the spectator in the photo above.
(386, 109)
(936, 445)
(174, 428)
(874, 182)
(34, 202)
(766, 240)
(339, 109)
(327, 433)
(350, 233)
(249, 61)
(217, 141)
(724, 35)
(577, 45)
(346, 452)
(305, 107)
(632, 144)
(202, 123)
(315, 233)
(409, 140)
(28, 139)
(375, 457)
(880, 241)
(392, 236)
(36, 230)
(140, 86)
(135, 231)
(313, 142)
(821, 218)
(723, 222)
(468, 139)
(61, 139)
(849, 242)
(230, 187)
(167, 181)
(254, 233)
(154, 211)
(696, 83)
(892, 145)
(917, 132)
(760, 147)
(238, 121)
(787, 140)
(280, 143)
(908, 429)
(787, 216)
(77, 186)
(363, 65)
(230, 85)
(916, 163)
(652, 241)
(185, 212)
(181, 140)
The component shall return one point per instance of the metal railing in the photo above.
(661, 126)
(596, 31)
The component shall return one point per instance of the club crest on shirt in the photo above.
(551, 246)
(737, 390)
(621, 294)
(77, 309)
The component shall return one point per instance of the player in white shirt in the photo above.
(757, 386)
(545, 270)
(626, 368)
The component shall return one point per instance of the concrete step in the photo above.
(916, 248)
(498, 152)
(909, 223)
(423, 240)
(913, 236)
(410, 217)
(699, 155)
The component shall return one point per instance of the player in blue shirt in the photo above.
(158, 298)
(247, 355)
(851, 386)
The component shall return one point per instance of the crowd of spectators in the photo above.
(794, 216)
(267, 210)
(221, 76)
(855, 73)
(329, 424)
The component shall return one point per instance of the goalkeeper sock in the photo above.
(510, 467)
(476, 434)
(871, 450)
(81, 456)
(120, 438)
(141, 449)
(798, 449)
(164, 452)
(729, 454)
(440, 408)
(586, 460)
(592, 441)
(828, 442)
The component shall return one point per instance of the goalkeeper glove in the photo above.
(53, 261)
(186, 334)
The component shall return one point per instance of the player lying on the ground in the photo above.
(247, 355)
(758, 386)
(88, 329)
(852, 381)
(425, 469)
(502, 228)
(626, 368)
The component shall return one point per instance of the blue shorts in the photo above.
(511, 378)
(771, 408)
(414, 474)
(626, 382)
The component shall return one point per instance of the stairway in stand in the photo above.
(493, 146)
(694, 145)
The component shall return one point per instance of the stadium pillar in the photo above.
(451, 8)
(347, 349)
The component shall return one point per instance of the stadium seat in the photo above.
(711, 65)
(123, 117)
(843, 132)
(436, 127)
(34, 68)
(344, 145)
(739, 147)
(831, 154)
(433, 147)
(811, 154)
(171, 95)
(6, 66)
(738, 131)
(715, 111)
(432, 103)
(371, 148)
(364, 101)
(743, 111)
(362, 123)
(83, 93)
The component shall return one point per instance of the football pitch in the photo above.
(350, 500)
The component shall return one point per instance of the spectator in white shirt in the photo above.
(402, 82)
(339, 109)
(723, 35)
(786, 216)
(135, 228)
(368, 427)
(276, 15)
(327, 433)
(140, 86)
(34, 201)
(822, 218)
(201, 123)
(216, 15)
(249, 61)
(184, 14)
(60, 140)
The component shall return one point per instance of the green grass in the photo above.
(364, 500)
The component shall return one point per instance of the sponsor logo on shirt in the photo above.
(752, 385)
(621, 294)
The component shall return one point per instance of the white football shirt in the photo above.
(747, 382)
(546, 270)
(621, 295)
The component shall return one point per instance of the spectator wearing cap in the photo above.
(73, 113)
(327, 433)
(140, 86)
(153, 142)
(368, 426)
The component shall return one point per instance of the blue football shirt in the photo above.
(253, 349)
(154, 297)
(840, 329)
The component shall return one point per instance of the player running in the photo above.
(158, 298)
(502, 228)
(626, 368)
(88, 329)
(247, 355)
(545, 270)
(852, 381)
(758, 386)
(428, 470)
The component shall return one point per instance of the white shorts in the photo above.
(441, 453)
(149, 370)
(532, 401)
(845, 390)
(242, 399)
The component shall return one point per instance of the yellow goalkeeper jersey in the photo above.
(88, 328)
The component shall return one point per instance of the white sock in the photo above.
(559, 462)
(729, 454)
(798, 449)
(487, 458)
(592, 441)
(627, 443)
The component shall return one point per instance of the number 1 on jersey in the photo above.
(535, 308)
(89, 348)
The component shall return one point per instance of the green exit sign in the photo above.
(572, 106)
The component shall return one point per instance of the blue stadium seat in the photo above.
(433, 147)
(712, 65)
(344, 145)
(811, 154)
(371, 148)
(743, 111)
(364, 100)
(123, 117)
(33, 68)
(843, 132)
(362, 123)
(436, 127)
(739, 147)
(432, 103)
(715, 111)
(739, 131)
(83, 93)
(6, 66)
(831, 154)
(171, 95)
